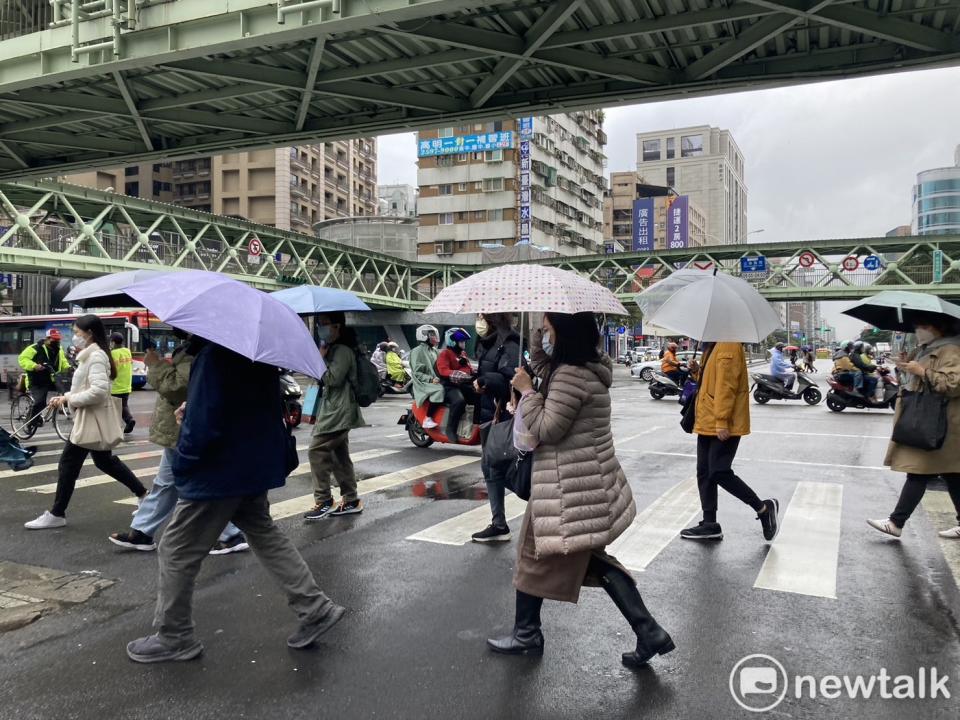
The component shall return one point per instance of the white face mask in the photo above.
(924, 336)
(545, 343)
(79, 342)
(482, 327)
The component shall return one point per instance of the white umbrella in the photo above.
(526, 288)
(708, 306)
(109, 290)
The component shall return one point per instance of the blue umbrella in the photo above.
(229, 313)
(312, 299)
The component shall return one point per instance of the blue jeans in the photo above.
(158, 504)
(495, 492)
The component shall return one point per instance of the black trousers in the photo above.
(71, 462)
(39, 394)
(456, 397)
(913, 491)
(714, 469)
(125, 410)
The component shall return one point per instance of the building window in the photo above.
(492, 184)
(446, 132)
(132, 189)
(462, 187)
(493, 156)
(445, 161)
(476, 156)
(691, 145)
(479, 215)
(462, 157)
(445, 189)
(478, 186)
(671, 176)
(446, 218)
(651, 150)
(131, 171)
(671, 148)
(495, 215)
(156, 167)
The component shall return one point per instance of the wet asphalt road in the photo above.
(412, 643)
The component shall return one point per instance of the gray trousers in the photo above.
(329, 455)
(194, 529)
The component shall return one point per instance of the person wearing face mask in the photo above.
(89, 389)
(934, 363)
(338, 414)
(456, 375)
(41, 361)
(498, 354)
(427, 389)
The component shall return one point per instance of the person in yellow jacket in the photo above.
(123, 384)
(722, 418)
(41, 361)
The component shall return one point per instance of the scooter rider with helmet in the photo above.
(869, 370)
(856, 357)
(427, 389)
(843, 368)
(456, 374)
(669, 364)
(780, 367)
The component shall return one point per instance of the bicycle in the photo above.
(22, 422)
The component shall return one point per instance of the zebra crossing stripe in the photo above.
(36, 469)
(294, 506)
(54, 453)
(657, 525)
(803, 558)
(459, 529)
(50, 488)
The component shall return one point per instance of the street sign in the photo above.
(850, 263)
(871, 263)
(621, 330)
(753, 264)
(807, 259)
(938, 266)
(254, 250)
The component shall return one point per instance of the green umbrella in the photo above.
(897, 309)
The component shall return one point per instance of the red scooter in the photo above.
(420, 436)
(843, 396)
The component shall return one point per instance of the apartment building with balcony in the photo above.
(536, 181)
(151, 181)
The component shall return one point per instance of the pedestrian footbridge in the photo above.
(79, 232)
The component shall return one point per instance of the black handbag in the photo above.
(503, 458)
(923, 419)
(688, 412)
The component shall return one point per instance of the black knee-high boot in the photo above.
(651, 638)
(526, 638)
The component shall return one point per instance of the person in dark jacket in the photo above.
(232, 449)
(498, 354)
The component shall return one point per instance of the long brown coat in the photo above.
(943, 373)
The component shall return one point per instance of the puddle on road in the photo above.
(28, 592)
(448, 488)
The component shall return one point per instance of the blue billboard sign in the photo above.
(526, 128)
(465, 144)
(753, 264)
(643, 225)
(678, 213)
(526, 217)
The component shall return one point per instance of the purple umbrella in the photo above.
(229, 313)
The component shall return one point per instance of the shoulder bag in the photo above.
(923, 418)
(98, 427)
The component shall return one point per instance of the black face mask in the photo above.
(54, 347)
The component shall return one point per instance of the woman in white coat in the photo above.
(89, 389)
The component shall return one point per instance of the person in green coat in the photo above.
(339, 413)
(426, 385)
(123, 384)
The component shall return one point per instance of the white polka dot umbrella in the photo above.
(526, 288)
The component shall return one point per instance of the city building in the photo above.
(705, 164)
(639, 216)
(533, 181)
(151, 181)
(936, 200)
(899, 231)
(397, 200)
(394, 236)
(288, 188)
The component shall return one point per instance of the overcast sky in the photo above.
(828, 160)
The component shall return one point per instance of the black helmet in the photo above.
(116, 338)
(847, 347)
(858, 346)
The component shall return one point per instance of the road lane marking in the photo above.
(459, 529)
(53, 466)
(771, 460)
(634, 437)
(938, 505)
(657, 525)
(396, 435)
(286, 508)
(51, 488)
(812, 434)
(803, 558)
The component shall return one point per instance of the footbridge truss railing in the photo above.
(79, 232)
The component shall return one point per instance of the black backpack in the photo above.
(367, 389)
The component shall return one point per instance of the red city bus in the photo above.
(140, 329)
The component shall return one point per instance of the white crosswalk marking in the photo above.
(93, 480)
(803, 559)
(458, 529)
(56, 453)
(53, 466)
(657, 525)
(286, 508)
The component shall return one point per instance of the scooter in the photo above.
(389, 387)
(420, 436)
(842, 396)
(767, 387)
(291, 393)
(661, 386)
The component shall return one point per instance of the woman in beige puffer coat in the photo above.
(580, 500)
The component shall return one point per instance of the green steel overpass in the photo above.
(88, 83)
(73, 231)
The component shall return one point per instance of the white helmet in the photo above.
(425, 331)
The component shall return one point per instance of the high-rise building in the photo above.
(288, 188)
(639, 216)
(151, 181)
(529, 183)
(705, 164)
(936, 200)
(397, 200)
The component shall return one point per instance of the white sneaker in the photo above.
(429, 424)
(885, 526)
(951, 534)
(47, 520)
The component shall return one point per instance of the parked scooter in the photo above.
(842, 396)
(767, 387)
(291, 392)
(420, 436)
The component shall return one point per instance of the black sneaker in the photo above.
(492, 533)
(769, 519)
(133, 540)
(703, 531)
(320, 511)
(347, 508)
(238, 543)
(128, 428)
